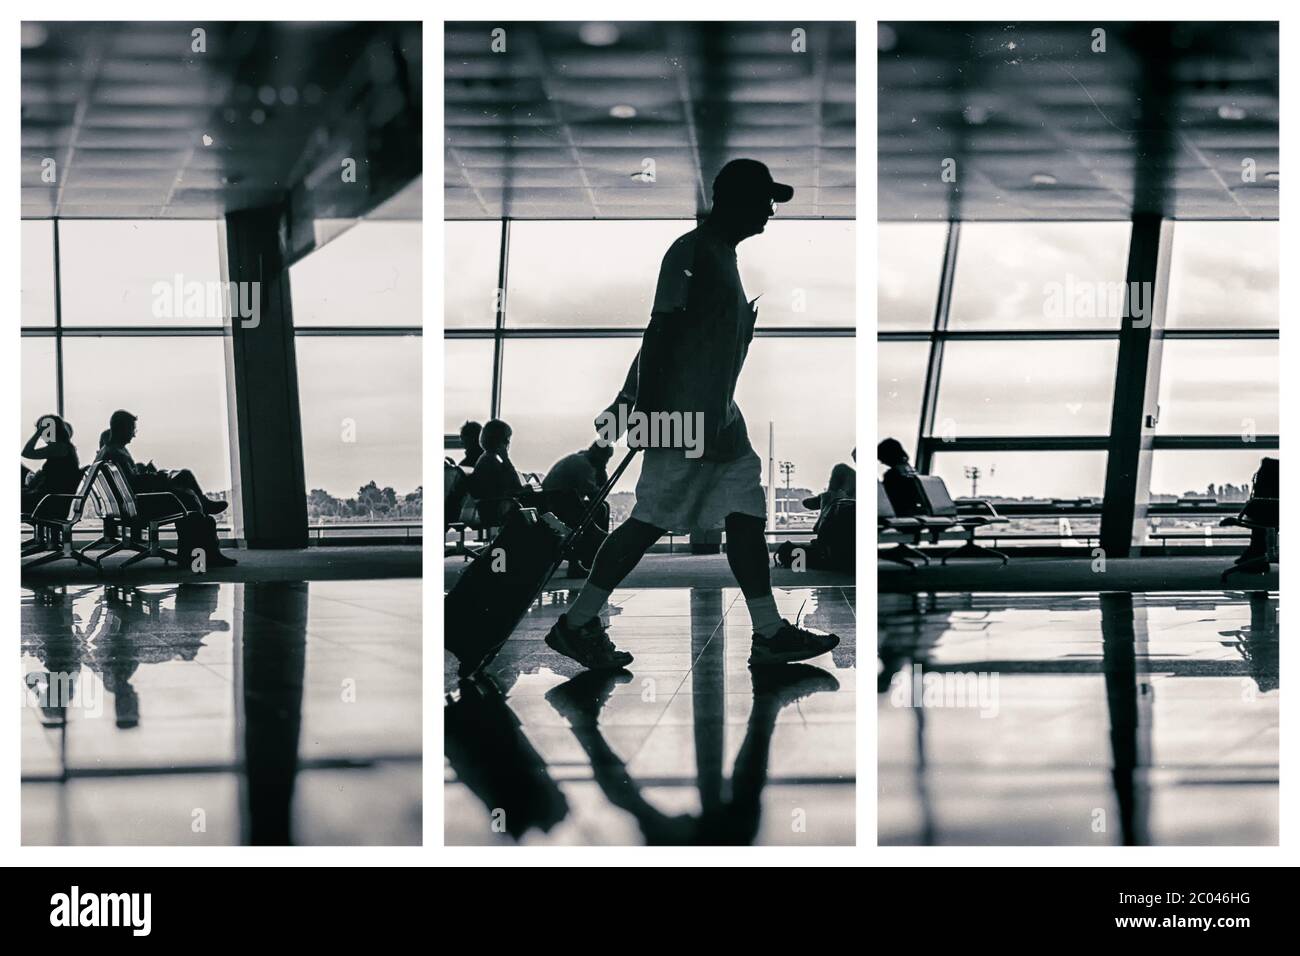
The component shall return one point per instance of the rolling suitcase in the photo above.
(493, 593)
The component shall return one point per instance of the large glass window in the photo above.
(1216, 473)
(586, 274)
(471, 253)
(368, 275)
(1029, 349)
(1223, 275)
(910, 263)
(361, 413)
(804, 272)
(38, 377)
(1046, 275)
(813, 428)
(180, 403)
(900, 379)
(1219, 387)
(1026, 388)
(359, 394)
(1022, 475)
(117, 278)
(467, 382)
(553, 414)
(37, 275)
(140, 272)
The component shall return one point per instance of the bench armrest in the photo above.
(977, 506)
(180, 505)
(63, 503)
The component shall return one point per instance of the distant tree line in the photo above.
(370, 503)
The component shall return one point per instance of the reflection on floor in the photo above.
(1111, 718)
(222, 713)
(687, 748)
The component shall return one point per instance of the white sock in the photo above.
(589, 604)
(764, 616)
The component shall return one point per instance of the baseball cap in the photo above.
(750, 176)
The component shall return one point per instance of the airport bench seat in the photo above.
(132, 520)
(969, 515)
(52, 520)
(1259, 514)
(914, 526)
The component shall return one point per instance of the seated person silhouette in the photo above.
(1260, 514)
(583, 472)
(60, 474)
(898, 479)
(197, 528)
(470, 438)
(183, 484)
(494, 482)
(497, 487)
(843, 483)
(570, 485)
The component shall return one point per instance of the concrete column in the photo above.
(270, 492)
(1137, 388)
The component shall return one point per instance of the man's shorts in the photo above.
(683, 494)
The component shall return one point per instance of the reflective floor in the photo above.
(1092, 719)
(211, 713)
(687, 747)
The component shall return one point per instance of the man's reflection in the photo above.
(491, 755)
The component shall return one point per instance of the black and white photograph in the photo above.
(222, 482)
(1078, 433)
(649, 433)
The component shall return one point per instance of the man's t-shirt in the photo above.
(699, 334)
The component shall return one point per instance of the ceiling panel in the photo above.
(1040, 126)
(558, 124)
(123, 109)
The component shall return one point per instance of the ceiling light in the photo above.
(1043, 179)
(976, 115)
(622, 111)
(207, 140)
(598, 34)
(1230, 111)
(1273, 176)
(886, 38)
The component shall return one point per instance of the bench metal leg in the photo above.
(59, 555)
(902, 553)
(972, 550)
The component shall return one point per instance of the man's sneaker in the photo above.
(788, 645)
(589, 645)
(581, 699)
(792, 683)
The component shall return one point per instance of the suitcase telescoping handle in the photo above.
(590, 515)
